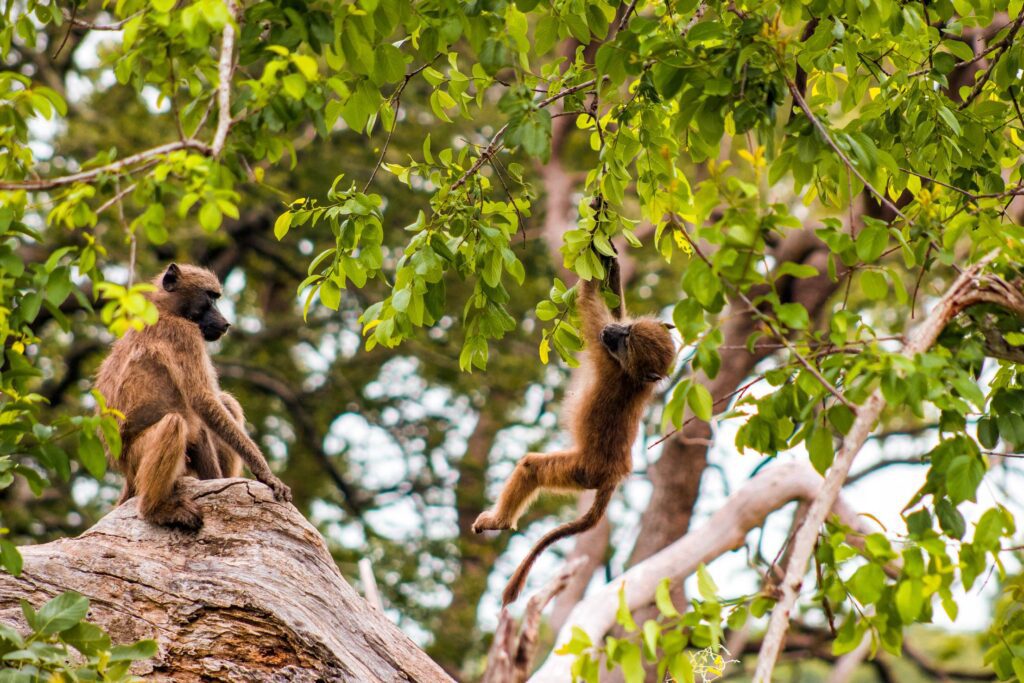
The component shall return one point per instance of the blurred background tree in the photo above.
(477, 137)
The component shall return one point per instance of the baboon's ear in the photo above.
(171, 277)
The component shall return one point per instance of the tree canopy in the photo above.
(400, 198)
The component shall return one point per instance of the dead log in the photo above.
(254, 596)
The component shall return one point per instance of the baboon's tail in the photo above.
(577, 526)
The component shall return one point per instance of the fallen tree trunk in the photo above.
(253, 596)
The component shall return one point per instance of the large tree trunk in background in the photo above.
(253, 596)
(677, 473)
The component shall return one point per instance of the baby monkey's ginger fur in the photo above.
(177, 420)
(624, 359)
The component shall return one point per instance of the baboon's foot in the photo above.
(179, 513)
(489, 521)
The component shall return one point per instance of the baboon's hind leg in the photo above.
(160, 454)
(534, 472)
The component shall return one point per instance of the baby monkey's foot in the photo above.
(488, 521)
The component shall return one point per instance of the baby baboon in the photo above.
(624, 359)
(177, 420)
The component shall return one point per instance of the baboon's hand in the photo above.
(282, 493)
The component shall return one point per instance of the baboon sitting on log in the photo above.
(177, 421)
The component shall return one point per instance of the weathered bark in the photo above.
(254, 596)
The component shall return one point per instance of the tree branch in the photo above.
(726, 530)
(510, 657)
(89, 26)
(495, 145)
(225, 70)
(113, 167)
(920, 340)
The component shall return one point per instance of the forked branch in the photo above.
(969, 288)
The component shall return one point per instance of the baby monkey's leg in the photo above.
(534, 472)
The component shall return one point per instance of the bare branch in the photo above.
(510, 657)
(225, 70)
(113, 167)
(726, 530)
(89, 26)
(495, 145)
(921, 339)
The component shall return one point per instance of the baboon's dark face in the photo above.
(196, 292)
(644, 348)
(204, 313)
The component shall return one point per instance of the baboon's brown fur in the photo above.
(624, 359)
(177, 422)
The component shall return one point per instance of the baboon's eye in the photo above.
(212, 294)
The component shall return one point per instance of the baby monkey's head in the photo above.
(644, 348)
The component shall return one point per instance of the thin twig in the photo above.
(225, 70)
(115, 199)
(114, 26)
(113, 167)
(1003, 45)
(396, 100)
(369, 581)
(131, 233)
(495, 145)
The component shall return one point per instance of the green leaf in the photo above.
(90, 454)
(950, 519)
(874, 284)
(282, 224)
(144, 649)
(705, 584)
(87, 638)
(963, 477)
(793, 316)
(871, 242)
(330, 294)
(622, 615)
(61, 613)
(867, 583)
(681, 668)
(579, 642)
(632, 664)
(663, 599)
(210, 216)
(909, 600)
(821, 450)
(651, 632)
(10, 557)
(700, 402)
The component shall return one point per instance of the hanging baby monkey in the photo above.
(624, 359)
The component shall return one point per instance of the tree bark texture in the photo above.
(253, 596)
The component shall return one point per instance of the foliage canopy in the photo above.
(713, 131)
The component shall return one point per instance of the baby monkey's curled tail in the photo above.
(577, 526)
